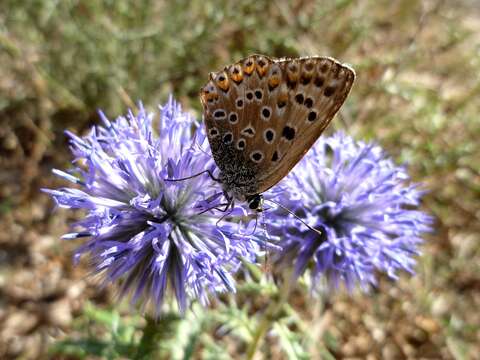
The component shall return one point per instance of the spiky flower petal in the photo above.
(153, 233)
(364, 207)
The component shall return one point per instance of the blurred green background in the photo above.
(417, 94)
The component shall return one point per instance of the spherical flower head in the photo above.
(155, 234)
(363, 207)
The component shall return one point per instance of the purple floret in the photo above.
(153, 233)
(364, 207)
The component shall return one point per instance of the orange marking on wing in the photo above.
(222, 81)
(262, 66)
(249, 66)
(236, 73)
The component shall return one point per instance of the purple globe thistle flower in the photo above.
(153, 233)
(362, 204)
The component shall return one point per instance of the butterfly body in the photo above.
(237, 175)
(262, 115)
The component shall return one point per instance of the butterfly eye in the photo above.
(255, 203)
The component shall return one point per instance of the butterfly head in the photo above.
(255, 202)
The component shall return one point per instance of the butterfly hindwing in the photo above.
(265, 114)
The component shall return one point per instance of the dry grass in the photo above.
(417, 95)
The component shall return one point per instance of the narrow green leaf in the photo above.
(290, 342)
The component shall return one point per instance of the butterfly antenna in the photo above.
(267, 237)
(295, 215)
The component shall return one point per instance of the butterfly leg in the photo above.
(193, 176)
(231, 204)
(216, 207)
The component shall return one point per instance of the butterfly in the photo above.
(262, 115)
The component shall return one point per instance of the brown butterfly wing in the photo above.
(316, 88)
(265, 114)
(232, 101)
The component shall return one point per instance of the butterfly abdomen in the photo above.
(237, 177)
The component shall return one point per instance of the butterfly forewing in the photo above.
(317, 88)
(265, 114)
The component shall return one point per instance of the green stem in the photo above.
(155, 331)
(268, 318)
(147, 344)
